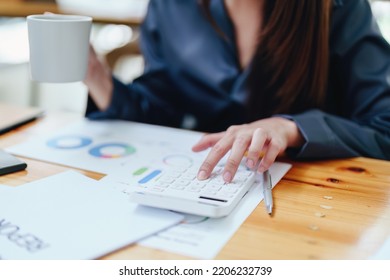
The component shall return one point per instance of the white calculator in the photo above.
(178, 189)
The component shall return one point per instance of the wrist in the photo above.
(295, 138)
(100, 88)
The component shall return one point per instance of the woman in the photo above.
(311, 78)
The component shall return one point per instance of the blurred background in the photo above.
(114, 35)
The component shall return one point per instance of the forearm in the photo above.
(294, 136)
(329, 136)
(135, 102)
(101, 93)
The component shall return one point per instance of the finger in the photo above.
(207, 141)
(274, 148)
(256, 147)
(92, 50)
(240, 145)
(217, 152)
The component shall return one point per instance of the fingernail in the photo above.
(250, 163)
(202, 175)
(261, 168)
(227, 177)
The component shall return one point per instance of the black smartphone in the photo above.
(9, 163)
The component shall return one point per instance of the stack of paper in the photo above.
(127, 152)
(383, 252)
(70, 216)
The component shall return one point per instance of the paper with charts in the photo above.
(131, 152)
(112, 146)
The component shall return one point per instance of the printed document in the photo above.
(70, 216)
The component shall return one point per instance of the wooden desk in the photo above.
(337, 209)
(23, 9)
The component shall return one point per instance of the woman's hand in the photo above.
(267, 138)
(99, 81)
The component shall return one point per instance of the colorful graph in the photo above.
(149, 177)
(140, 171)
(69, 142)
(178, 160)
(112, 150)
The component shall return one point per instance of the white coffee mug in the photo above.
(59, 47)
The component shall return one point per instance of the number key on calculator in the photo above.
(178, 189)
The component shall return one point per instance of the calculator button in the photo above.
(157, 189)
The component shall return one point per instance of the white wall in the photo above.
(14, 84)
(70, 97)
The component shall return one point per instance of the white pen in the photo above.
(267, 191)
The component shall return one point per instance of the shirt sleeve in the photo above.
(363, 74)
(139, 101)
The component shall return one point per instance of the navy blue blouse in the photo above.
(193, 80)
